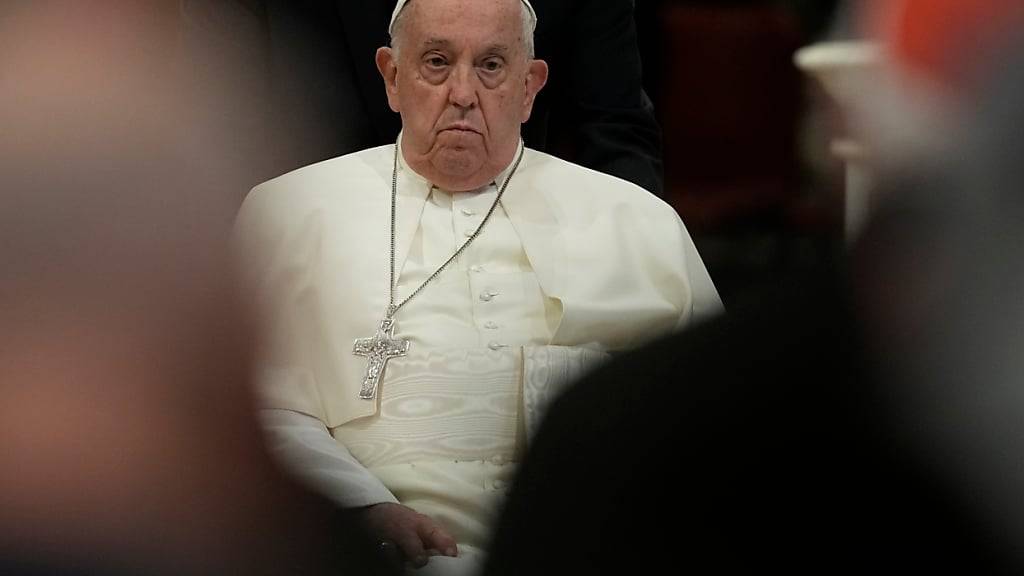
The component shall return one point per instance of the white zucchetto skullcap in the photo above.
(401, 4)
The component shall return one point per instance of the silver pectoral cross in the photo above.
(383, 346)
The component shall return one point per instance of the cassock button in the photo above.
(496, 345)
(491, 325)
(468, 212)
(467, 232)
(476, 268)
(500, 484)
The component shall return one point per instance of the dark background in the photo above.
(746, 135)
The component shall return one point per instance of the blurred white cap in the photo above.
(401, 4)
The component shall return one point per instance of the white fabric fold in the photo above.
(325, 463)
(306, 448)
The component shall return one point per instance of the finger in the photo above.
(409, 542)
(436, 537)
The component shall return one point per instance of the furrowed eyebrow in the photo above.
(499, 49)
(436, 43)
(494, 49)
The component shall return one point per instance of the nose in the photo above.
(463, 87)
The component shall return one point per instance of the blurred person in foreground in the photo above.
(129, 444)
(424, 298)
(873, 421)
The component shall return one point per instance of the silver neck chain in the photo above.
(392, 285)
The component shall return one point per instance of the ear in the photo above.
(536, 78)
(388, 69)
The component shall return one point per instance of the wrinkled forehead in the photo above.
(402, 3)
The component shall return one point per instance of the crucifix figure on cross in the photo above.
(383, 346)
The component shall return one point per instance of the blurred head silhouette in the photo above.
(129, 441)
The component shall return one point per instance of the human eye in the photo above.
(435, 61)
(492, 64)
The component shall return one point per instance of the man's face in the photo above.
(464, 84)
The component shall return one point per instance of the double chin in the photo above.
(458, 161)
(460, 169)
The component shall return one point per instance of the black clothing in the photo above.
(765, 439)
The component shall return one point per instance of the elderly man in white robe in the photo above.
(425, 299)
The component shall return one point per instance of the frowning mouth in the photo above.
(460, 128)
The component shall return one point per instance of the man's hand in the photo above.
(417, 536)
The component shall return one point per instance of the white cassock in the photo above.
(573, 265)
